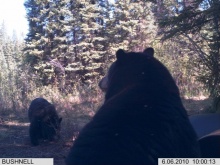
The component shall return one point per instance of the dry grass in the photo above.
(76, 110)
(197, 105)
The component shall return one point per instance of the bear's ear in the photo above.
(149, 52)
(120, 54)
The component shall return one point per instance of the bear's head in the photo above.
(51, 123)
(137, 69)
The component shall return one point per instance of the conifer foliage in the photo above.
(73, 40)
(11, 82)
(198, 23)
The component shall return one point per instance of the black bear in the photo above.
(141, 120)
(44, 121)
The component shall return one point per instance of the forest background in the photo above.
(70, 44)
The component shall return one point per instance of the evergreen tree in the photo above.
(67, 40)
(33, 50)
(56, 28)
(88, 39)
(134, 26)
(198, 22)
(46, 42)
(3, 63)
(73, 40)
(10, 61)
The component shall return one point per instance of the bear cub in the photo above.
(142, 118)
(44, 121)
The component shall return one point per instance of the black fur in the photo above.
(44, 121)
(141, 120)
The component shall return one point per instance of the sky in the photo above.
(13, 13)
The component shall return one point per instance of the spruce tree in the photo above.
(10, 61)
(87, 40)
(198, 22)
(47, 40)
(133, 25)
(33, 52)
(73, 41)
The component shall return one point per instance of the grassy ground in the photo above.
(14, 139)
